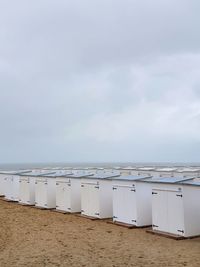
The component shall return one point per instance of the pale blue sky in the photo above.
(99, 80)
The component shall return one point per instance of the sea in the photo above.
(19, 166)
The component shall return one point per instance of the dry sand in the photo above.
(32, 237)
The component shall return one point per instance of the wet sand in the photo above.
(33, 237)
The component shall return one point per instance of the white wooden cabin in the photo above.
(80, 170)
(132, 200)
(45, 190)
(95, 170)
(11, 184)
(149, 171)
(165, 172)
(96, 195)
(117, 168)
(188, 172)
(68, 192)
(100, 170)
(128, 171)
(176, 206)
(67, 168)
(109, 169)
(3, 175)
(27, 186)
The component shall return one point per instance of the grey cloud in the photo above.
(99, 80)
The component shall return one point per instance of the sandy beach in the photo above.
(33, 237)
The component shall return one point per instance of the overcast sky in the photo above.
(99, 80)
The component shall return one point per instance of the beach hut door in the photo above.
(60, 196)
(15, 188)
(94, 200)
(167, 211)
(67, 196)
(175, 213)
(41, 193)
(159, 210)
(124, 204)
(8, 187)
(24, 191)
(63, 190)
(90, 199)
(85, 199)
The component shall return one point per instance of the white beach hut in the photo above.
(67, 168)
(117, 168)
(165, 172)
(188, 172)
(128, 171)
(27, 186)
(132, 201)
(100, 170)
(95, 170)
(176, 206)
(45, 189)
(3, 175)
(149, 171)
(11, 185)
(68, 192)
(80, 170)
(96, 195)
(109, 169)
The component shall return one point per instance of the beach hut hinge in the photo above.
(181, 231)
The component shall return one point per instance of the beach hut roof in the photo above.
(56, 174)
(129, 168)
(131, 177)
(104, 175)
(166, 169)
(146, 169)
(167, 180)
(192, 181)
(15, 172)
(78, 175)
(117, 168)
(36, 173)
(189, 170)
